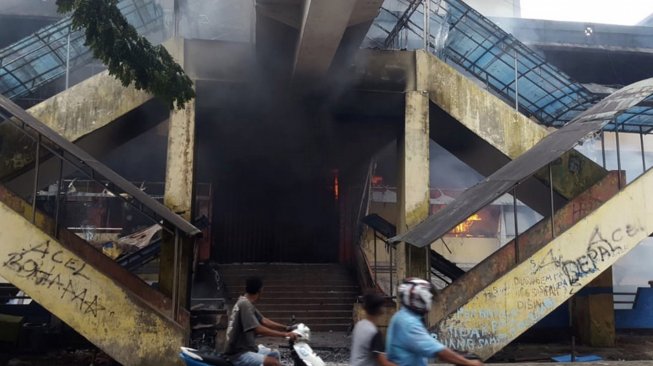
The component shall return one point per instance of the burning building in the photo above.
(284, 151)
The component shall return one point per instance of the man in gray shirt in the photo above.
(367, 347)
(245, 322)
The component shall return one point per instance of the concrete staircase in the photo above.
(86, 289)
(319, 295)
(69, 277)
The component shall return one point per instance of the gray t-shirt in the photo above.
(367, 344)
(240, 331)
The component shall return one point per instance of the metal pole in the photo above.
(375, 263)
(603, 147)
(58, 204)
(553, 232)
(175, 276)
(516, 83)
(641, 143)
(35, 188)
(570, 305)
(175, 17)
(391, 271)
(616, 134)
(427, 249)
(514, 211)
(409, 260)
(426, 3)
(68, 60)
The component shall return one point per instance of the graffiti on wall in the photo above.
(533, 289)
(54, 269)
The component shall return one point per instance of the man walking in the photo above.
(368, 347)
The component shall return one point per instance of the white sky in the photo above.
(625, 12)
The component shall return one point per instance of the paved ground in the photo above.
(333, 347)
(603, 363)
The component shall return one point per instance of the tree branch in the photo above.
(130, 58)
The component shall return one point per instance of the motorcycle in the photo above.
(301, 352)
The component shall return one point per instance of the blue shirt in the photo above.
(408, 343)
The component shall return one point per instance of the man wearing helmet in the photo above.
(408, 341)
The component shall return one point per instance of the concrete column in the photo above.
(593, 312)
(413, 182)
(178, 195)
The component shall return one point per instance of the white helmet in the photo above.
(416, 294)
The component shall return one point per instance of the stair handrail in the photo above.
(366, 275)
(66, 151)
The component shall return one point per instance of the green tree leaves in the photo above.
(130, 58)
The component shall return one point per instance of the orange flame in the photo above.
(464, 226)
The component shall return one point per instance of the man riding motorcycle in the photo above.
(245, 323)
(408, 343)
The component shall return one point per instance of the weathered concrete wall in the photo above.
(89, 301)
(517, 300)
(489, 117)
(500, 125)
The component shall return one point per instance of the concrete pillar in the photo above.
(178, 195)
(593, 312)
(413, 182)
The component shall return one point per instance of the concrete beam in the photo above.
(538, 285)
(180, 161)
(74, 113)
(178, 193)
(323, 24)
(414, 194)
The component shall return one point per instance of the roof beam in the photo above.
(323, 24)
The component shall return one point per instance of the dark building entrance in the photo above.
(273, 181)
(276, 224)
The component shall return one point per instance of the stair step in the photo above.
(330, 327)
(295, 306)
(300, 298)
(304, 301)
(295, 288)
(321, 296)
(271, 312)
(318, 321)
